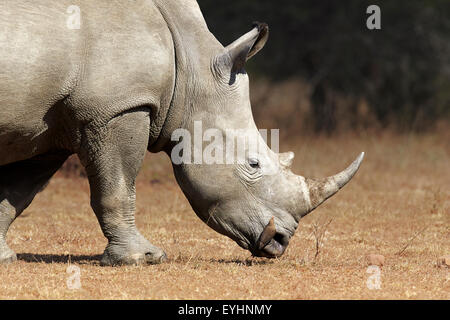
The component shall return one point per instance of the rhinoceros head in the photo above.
(255, 199)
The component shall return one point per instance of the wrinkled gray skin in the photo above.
(118, 87)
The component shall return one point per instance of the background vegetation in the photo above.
(350, 76)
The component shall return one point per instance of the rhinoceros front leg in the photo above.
(113, 156)
(19, 183)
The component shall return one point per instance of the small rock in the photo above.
(375, 260)
(444, 261)
(155, 181)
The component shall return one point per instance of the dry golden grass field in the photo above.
(398, 205)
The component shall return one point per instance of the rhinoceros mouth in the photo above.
(271, 243)
(276, 247)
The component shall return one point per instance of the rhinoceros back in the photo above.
(37, 59)
(120, 52)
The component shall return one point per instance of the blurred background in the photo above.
(323, 71)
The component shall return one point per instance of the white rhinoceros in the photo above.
(111, 80)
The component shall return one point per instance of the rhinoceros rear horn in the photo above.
(241, 50)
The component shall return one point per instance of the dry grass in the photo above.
(398, 202)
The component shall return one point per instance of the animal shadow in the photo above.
(243, 262)
(59, 258)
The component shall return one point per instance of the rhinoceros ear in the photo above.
(237, 53)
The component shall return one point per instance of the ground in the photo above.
(398, 205)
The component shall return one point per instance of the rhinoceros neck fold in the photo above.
(194, 45)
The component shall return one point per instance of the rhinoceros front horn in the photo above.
(314, 192)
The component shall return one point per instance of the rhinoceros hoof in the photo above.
(154, 256)
(8, 257)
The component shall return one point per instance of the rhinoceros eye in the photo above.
(254, 163)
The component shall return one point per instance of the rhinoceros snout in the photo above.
(271, 244)
(275, 248)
